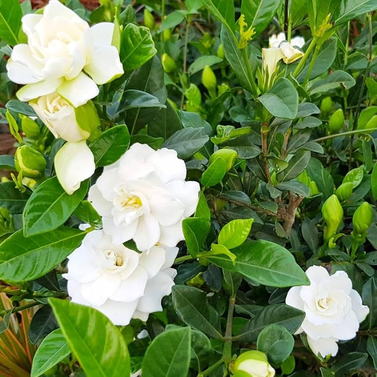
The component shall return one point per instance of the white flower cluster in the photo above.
(61, 65)
(144, 197)
(333, 309)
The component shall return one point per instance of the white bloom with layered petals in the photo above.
(61, 46)
(144, 196)
(117, 281)
(333, 309)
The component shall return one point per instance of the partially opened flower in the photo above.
(298, 41)
(144, 196)
(276, 39)
(333, 309)
(118, 281)
(290, 53)
(61, 47)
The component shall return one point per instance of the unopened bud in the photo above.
(336, 121)
(29, 161)
(332, 212)
(362, 218)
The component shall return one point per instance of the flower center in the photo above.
(324, 303)
(115, 257)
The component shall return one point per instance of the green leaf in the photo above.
(191, 305)
(350, 9)
(42, 324)
(98, 345)
(137, 46)
(50, 206)
(335, 80)
(276, 342)
(281, 100)
(354, 176)
(187, 142)
(7, 163)
(372, 349)
(169, 354)
(369, 295)
(202, 62)
(137, 99)
(11, 198)
(223, 10)
(235, 233)
(88, 215)
(266, 263)
(172, 20)
(4, 324)
(259, 13)
(10, 21)
(321, 177)
(195, 230)
(20, 107)
(165, 123)
(280, 314)
(24, 259)
(349, 362)
(296, 165)
(52, 350)
(110, 146)
(214, 173)
(296, 187)
(374, 181)
(202, 209)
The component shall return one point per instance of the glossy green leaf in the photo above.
(172, 20)
(374, 181)
(337, 79)
(223, 10)
(98, 345)
(350, 9)
(169, 354)
(354, 176)
(296, 187)
(235, 233)
(214, 173)
(202, 62)
(11, 198)
(349, 362)
(195, 230)
(192, 306)
(369, 296)
(28, 258)
(10, 21)
(281, 100)
(52, 350)
(88, 215)
(110, 146)
(20, 107)
(50, 206)
(296, 165)
(259, 13)
(202, 209)
(165, 123)
(137, 46)
(7, 163)
(42, 324)
(137, 99)
(266, 263)
(372, 349)
(321, 177)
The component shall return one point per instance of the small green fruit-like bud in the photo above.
(168, 63)
(344, 191)
(251, 364)
(30, 162)
(167, 34)
(30, 128)
(326, 105)
(148, 19)
(229, 156)
(362, 218)
(336, 121)
(209, 79)
(220, 52)
(332, 212)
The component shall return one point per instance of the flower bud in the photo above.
(29, 161)
(362, 218)
(326, 105)
(252, 364)
(336, 121)
(168, 63)
(29, 127)
(344, 191)
(209, 79)
(229, 156)
(332, 212)
(193, 94)
(220, 52)
(148, 19)
(167, 34)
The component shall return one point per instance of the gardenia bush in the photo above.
(192, 191)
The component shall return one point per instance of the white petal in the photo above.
(147, 233)
(32, 91)
(316, 332)
(153, 260)
(276, 39)
(79, 90)
(102, 206)
(340, 281)
(133, 287)
(270, 59)
(358, 308)
(101, 34)
(324, 346)
(187, 193)
(74, 291)
(56, 9)
(107, 182)
(171, 235)
(291, 54)
(143, 317)
(298, 42)
(74, 163)
(317, 274)
(29, 21)
(120, 313)
(105, 65)
(348, 328)
(78, 60)
(22, 67)
(119, 233)
(293, 298)
(171, 254)
(156, 289)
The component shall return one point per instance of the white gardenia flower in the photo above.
(118, 281)
(276, 39)
(144, 196)
(61, 47)
(333, 309)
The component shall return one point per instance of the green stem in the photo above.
(311, 66)
(345, 134)
(227, 351)
(162, 19)
(289, 33)
(185, 52)
(212, 368)
(305, 57)
(20, 308)
(246, 60)
(183, 259)
(347, 45)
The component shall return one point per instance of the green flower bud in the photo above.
(326, 105)
(229, 156)
(362, 218)
(344, 191)
(167, 34)
(168, 63)
(148, 19)
(193, 94)
(29, 161)
(332, 212)
(29, 127)
(220, 52)
(209, 79)
(252, 364)
(336, 121)
(223, 88)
